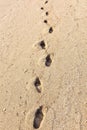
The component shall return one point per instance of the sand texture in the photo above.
(43, 64)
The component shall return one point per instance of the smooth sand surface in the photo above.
(43, 64)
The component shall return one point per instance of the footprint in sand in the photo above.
(48, 60)
(37, 84)
(46, 1)
(42, 44)
(47, 13)
(34, 118)
(42, 8)
(50, 29)
(39, 115)
(45, 21)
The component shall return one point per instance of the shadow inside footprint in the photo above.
(48, 60)
(38, 118)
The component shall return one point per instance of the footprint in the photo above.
(39, 115)
(48, 60)
(37, 84)
(46, 1)
(45, 21)
(42, 44)
(47, 13)
(38, 118)
(34, 118)
(50, 30)
(42, 8)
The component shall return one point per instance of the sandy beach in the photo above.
(43, 64)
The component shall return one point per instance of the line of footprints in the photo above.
(40, 112)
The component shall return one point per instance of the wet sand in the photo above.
(43, 65)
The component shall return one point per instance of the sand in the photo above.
(43, 64)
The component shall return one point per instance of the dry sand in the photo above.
(43, 64)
